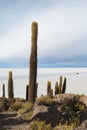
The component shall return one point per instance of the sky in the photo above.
(62, 32)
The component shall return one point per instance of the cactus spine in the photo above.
(3, 90)
(33, 63)
(10, 85)
(64, 86)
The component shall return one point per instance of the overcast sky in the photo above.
(62, 32)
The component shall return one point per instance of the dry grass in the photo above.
(26, 111)
(16, 106)
(39, 125)
(44, 100)
(63, 127)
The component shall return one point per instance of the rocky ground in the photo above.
(65, 108)
(11, 121)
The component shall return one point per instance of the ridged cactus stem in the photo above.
(48, 88)
(3, 90)
(64, 86)
(27, 86)
(10, 85)
(33, 63)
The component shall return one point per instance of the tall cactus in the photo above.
(33, 63)
(3, 90)
(64, 86)
(10, 85)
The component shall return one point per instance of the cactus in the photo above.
(3, 90)
(36, 90)
(48, 88)
(33, 63)
(27, 86)
(60, 84)
(10, 85)
(51, 93)
(64, 86)
(56, 88)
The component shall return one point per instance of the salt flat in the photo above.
(76, 79)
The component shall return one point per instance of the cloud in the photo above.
(64, 35)
(62, 31)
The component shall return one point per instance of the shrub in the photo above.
(16, 106)
(39, 125)
(27, 116)
(44, 100)
(80, 107)
(28, 106)
(21, 111)
(26, 111)
(63, 127)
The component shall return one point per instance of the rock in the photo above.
(3, 104)
(83, 99)
(83, 126)
(62, 97)
(64, 108)
(49, 114)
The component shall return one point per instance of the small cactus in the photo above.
(27, 86)
(10, 85)
(56, 88)
(64, 86)
(60, 83)
(48, 88)
(51, 93)
(61, 88)
(3, 90)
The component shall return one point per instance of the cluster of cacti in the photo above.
(10, 85)
(61, 88)
(33, 63)
(49, 89)
(31, 89)
(3, 90)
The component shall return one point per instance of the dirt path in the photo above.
(10, 121)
